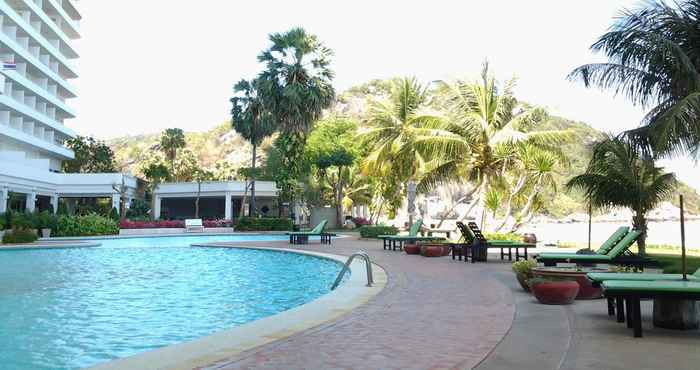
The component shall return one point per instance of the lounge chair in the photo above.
(605, 247)
(394, 241)
(598, 278)
(618, 255)
(193, 225)
(302, 237)
(631, 292)
(476, 245)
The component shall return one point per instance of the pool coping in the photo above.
(232, 342)
(110, 237)
(45, 244)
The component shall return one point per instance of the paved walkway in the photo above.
(436, 313)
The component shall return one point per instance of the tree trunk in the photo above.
(455, 204)
(253, 207)
(339, 198)
(241, 213)
(196, 202)
(153, 201)
(482, 201)
(411, 195)
(509, 205)
(639, 222)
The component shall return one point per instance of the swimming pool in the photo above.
(72, 308)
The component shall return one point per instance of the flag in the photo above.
(8, 66)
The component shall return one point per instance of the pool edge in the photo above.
(230, 343)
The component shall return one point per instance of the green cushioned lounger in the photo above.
(614, 254)
(318, 230)
(650, 288)
(412, 232)
(620, 233)
(600, 277)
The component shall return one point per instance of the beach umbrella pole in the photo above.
(683, 260)
(590, 223)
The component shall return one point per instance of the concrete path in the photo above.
(436, 313)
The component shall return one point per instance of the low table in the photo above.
(587, 289)
(510, 247)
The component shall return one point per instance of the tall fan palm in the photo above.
(251, 120)
(477, 142)
(619, 175)
(295, 86)
(395, 125)
(654, 60)
(171, 140)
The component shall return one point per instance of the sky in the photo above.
(149, 65)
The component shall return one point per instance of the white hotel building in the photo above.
(37, 36)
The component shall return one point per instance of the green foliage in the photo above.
(18, 236)
(91, 156)
(47, 220)
(263, 224)
(524, 267)
(114, 214)
(249, 116)
(652, 56)
(172, 140)
(672, 263)
(375, 231)
(24, 220)
(137, 209)
(186, 165)
(6, 220)
(513, 237)
(87, 225)
(62, 209)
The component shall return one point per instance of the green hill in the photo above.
(220, 143)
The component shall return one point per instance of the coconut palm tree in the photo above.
(485, 123)
(250, 119)
(395, 125)
(620, 175)
(295, 88)
(654, 60)
(171, 140)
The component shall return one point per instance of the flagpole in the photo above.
(683, 258)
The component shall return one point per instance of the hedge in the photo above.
(513, 237)
(87, 225)
(375, 231)
(19, 236)
(263, 224)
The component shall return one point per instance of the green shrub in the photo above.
(87, 225)
(375, 231)
(19, 236)
(47, 220)
(513, 237)
(263, 224)
(138, 210)
(25, 220)
(7, 220)
(62, 209)
(524, 267)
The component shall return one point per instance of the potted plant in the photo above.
(46, 222)
(554, 291)
(523, 272)
(434, 249)
(411, 248)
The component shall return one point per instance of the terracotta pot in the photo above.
(522, 279)
(431, 250)
(555, 292)
(530, 238)
(586, 288)
(411, 248)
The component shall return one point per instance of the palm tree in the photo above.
(485, 122)
(395, 125)
(155, 173)
(295, 88)
(171, 140)
(253, 122)
(619, 175)
(654, 60)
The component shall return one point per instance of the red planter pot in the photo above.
(411, 248)
(586, 288)
(432, 250)
(555, 292)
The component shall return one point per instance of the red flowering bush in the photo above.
(361, 221)
(217, 223)
(169, 224)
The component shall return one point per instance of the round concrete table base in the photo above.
(676, 314)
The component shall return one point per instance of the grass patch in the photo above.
(671, 263)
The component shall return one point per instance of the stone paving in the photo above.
(434, 313)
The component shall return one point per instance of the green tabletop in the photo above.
(630, 286)
(599, 277)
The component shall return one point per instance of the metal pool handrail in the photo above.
(346, 267)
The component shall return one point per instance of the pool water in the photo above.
(73, 308)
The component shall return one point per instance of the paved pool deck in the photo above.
(436, 313)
